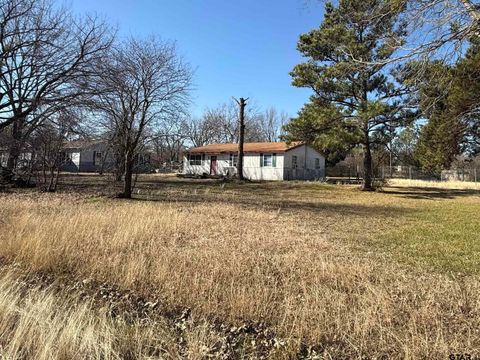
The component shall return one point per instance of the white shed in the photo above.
(262, 161)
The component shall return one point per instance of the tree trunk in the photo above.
(367, 168)
(44, 168)
(57, 175)
(52, 180)
(242, 104)
(127, 182)
(15, 146)
(119, 166)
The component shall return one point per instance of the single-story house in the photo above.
(86, 156)
(262, 161)
(76, 156)
(97, 156)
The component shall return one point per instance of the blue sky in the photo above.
(237, 48)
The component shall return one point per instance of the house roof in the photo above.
(254, 147)
(81, 144)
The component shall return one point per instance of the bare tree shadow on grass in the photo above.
(256, 201)
(429, 193)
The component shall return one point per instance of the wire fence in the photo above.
(355, 172)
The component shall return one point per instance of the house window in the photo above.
(66, 156)
(267, 160)
(294, 162)
(195, 160)
(317, 163)
(97, 158)
(233, 160)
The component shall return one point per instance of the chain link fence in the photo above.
(354, 171)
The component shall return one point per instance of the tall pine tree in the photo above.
(440, 136)
(356, 100)
(464, 98)
(449, 98)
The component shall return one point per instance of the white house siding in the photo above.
(252, 170)
(223, 165)
(196, 169)
(82, 159)
(305, 164)
(86, 159)
(89, 160)
(251, 167)
(73, 162)
(313, 154)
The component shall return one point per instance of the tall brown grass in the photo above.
(451, 184)
(52, 321)
(295, 269)
(44, 324)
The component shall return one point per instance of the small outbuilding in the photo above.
(262, 161)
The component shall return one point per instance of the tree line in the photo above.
(58, 70)
(396, 75)
(385, 75)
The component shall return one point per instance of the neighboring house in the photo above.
(23, 160)
(262, 161)
(78, 156)
(96, 156)
(87, 156)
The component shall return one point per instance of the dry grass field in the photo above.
(436, 184)
(200, 269)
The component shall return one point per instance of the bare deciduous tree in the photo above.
(200, 130)
(168, 141)
(271, 123)
(45, 60)
(221, 125)
(438, 28)
(47, 147)
(435, 28)
(143, 83)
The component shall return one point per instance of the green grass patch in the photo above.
(441, 236)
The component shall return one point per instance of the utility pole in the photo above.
(241, 103)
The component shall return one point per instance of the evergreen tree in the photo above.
(356, 99)
(335, 139)
(438, 144)
(449, 97)
(440, 137)
(464, 99)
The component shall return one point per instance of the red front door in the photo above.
(213, 165)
